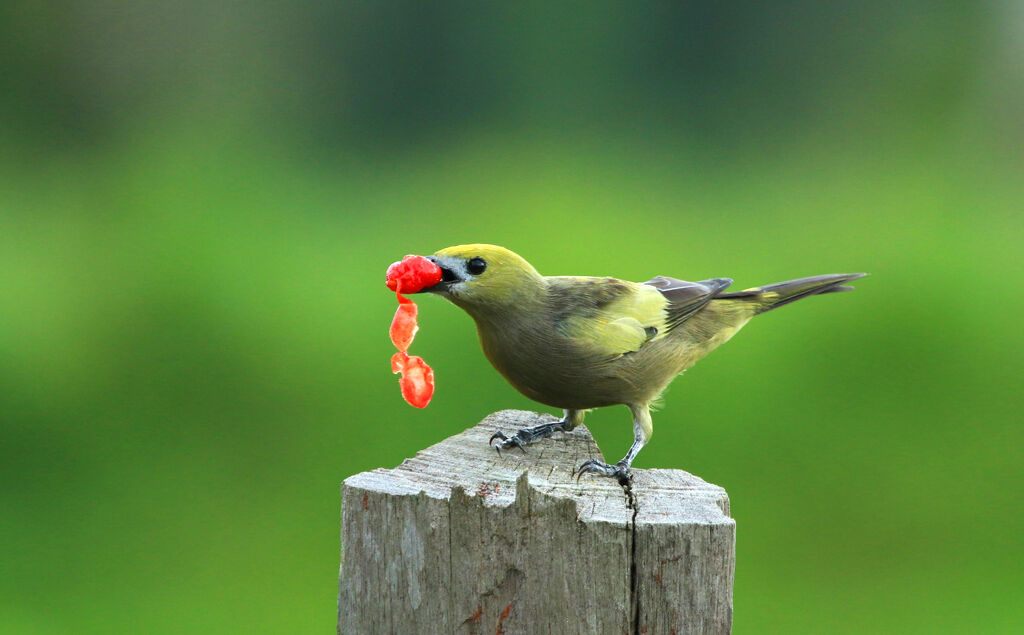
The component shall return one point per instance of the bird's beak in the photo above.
(448, 278)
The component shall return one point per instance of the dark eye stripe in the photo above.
(476, 266)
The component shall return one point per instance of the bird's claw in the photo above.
(505, 442)
(620, 471)
(526, 436)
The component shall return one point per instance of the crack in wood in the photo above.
(634, 592)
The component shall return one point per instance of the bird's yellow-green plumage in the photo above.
(583, 342)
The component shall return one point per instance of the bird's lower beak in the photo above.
(440, 286)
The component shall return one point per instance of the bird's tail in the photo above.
(775, 295)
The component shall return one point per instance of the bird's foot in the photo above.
(526, 436)
(620, 470)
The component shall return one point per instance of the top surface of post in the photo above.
(467, 461)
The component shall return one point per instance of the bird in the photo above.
(577, 342)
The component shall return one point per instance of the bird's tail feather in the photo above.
(779, 294)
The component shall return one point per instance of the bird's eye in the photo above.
(476, 266)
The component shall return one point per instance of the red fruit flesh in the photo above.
(403, 326)
(417, 382)
(411, 274)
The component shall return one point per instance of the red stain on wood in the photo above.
(501, 618)
(476, 615)
(656, 574)
(366, 505)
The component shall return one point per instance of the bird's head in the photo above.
(482, 278)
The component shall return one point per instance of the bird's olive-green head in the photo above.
(483, 278)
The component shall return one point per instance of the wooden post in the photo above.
(460, 540)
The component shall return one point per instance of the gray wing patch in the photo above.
(686, 298)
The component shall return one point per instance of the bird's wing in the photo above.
(608, 317)
(684, 298)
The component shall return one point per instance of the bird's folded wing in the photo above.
(625, 318)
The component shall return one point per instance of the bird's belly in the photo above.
(556, 376)
(554, 387)
(565, 379)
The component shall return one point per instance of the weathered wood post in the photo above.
(460, 540)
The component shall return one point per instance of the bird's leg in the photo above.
(642, 430)
(526, 436)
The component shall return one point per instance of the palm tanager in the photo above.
(578, 343)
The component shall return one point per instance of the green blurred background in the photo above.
(198, 201)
